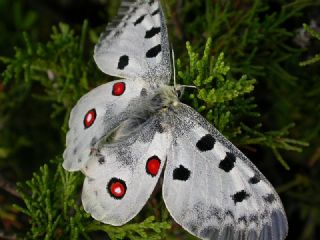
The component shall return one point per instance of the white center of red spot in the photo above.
(117, 188)
(153, 165)
(89, 118)
(118, 88)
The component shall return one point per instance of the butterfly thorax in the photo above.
(159, 102)
(166, 97)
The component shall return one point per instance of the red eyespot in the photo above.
(153, 165)
(89, 118)
(118, 88)
(117, 188)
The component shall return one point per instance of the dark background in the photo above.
(267, 47)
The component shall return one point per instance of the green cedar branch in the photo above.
(275, 140)
(148, 229)
(316, 35)
(59, 65)
(50, 203)
(223, 101)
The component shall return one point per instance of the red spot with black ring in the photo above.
(153, 166)
(118, 88)
(117, 188)
(89, 118)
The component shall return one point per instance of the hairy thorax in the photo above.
(164, 99)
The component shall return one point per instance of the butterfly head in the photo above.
(168, 97)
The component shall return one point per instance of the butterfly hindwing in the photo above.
(95, 115)
(121, 176)
(123, 133)
(136, 43)
(213, 190)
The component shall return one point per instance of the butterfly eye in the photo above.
(153, 165)
(118, 88)
(89, 118)
(117, 188)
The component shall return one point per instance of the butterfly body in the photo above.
(125, 133)
(158, 102)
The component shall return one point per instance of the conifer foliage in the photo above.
(253, 82)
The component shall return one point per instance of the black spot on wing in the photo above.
(139, 20)
(153, 52)
(255, 179)
(123, 62)
(157, 11)
(181, 173)
(228, 162)
(101, 160)
(240, 196)
(206, 143)
(152, 32)
(269, 198)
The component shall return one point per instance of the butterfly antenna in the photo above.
(174, 68)
(174, 73)
(189, 86)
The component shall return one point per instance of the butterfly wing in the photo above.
(213, 190)
(136, 43)
(120, 177)
(136, 47)
(95, 115)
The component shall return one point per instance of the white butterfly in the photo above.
(123, 133)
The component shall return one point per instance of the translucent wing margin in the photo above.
(136, 44)
(213, 190)
(120, 177)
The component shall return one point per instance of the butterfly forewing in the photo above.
(96, 115)
(121, 176)
(122, 133)
(136, 43)
(213, 190)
